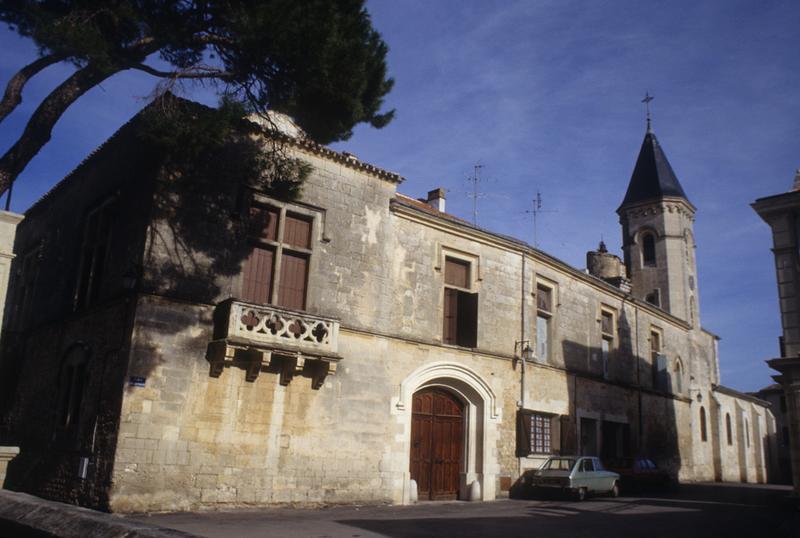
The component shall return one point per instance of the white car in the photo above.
(576, 475)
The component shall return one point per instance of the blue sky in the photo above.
(545, 95)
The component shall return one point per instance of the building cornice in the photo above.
(668, 204)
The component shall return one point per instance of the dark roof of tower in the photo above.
(652, 177)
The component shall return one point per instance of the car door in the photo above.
(603, 479)
(586, 473)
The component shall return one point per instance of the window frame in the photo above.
(607, 338)
(544, 349)
(655, 353)
(541, 431)
(648, 252)
(280, 248)
(678, 376)
(459, 304)
(84, 296)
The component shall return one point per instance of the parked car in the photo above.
(574, 475)
(640, 474)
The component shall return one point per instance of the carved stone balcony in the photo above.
(270, 338)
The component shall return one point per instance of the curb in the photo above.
(26, 516)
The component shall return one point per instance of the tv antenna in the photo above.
(475, 179)
(535, 211)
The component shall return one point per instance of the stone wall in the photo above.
(190, 440)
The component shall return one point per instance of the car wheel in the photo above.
(580, 495)
(615, 490)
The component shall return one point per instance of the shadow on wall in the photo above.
(608, 416)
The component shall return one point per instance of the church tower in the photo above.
(657, 235)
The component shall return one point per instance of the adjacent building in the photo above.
(178, 342)
(781, 212)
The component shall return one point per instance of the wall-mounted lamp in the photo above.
(526, 352)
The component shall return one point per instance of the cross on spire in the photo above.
(646, 101)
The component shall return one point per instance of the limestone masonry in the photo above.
(174, 343)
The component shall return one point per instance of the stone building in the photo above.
(182, 343)
(782, 465)
(781, 212)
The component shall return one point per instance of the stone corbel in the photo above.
(255, 361)
(290, 366)
(320, 370)
(218, 354)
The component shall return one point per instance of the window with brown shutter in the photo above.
(456, 273)
(276, 271)
(292, 286)
(257, 281)
(460, 316)
(264, 222)
(297, 231)
(538, 433)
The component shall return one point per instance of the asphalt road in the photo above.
(703, 511)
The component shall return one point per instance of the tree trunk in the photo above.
(39, 128)
(13, 95)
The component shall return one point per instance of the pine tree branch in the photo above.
(194, 72)
(40, 126)
(13, 95)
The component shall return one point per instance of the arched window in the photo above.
(678, 375)
(648, 249)
(728, 428)
(747, 432)
(703, 434)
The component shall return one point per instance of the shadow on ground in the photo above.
(695, 510)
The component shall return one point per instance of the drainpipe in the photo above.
(522, 337)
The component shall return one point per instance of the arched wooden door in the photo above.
(437, 443)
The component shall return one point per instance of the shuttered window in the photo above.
(297, 231)
(540, 433)
(456, 273)
(460, 312)
(292, 287)
(276, 270)
(257, 285)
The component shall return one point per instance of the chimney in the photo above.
(436, 199)
(796, 186)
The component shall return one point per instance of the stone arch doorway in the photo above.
(437, 443)
(481, 416)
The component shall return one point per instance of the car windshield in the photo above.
(559, 464)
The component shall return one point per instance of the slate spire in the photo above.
(652, 177)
